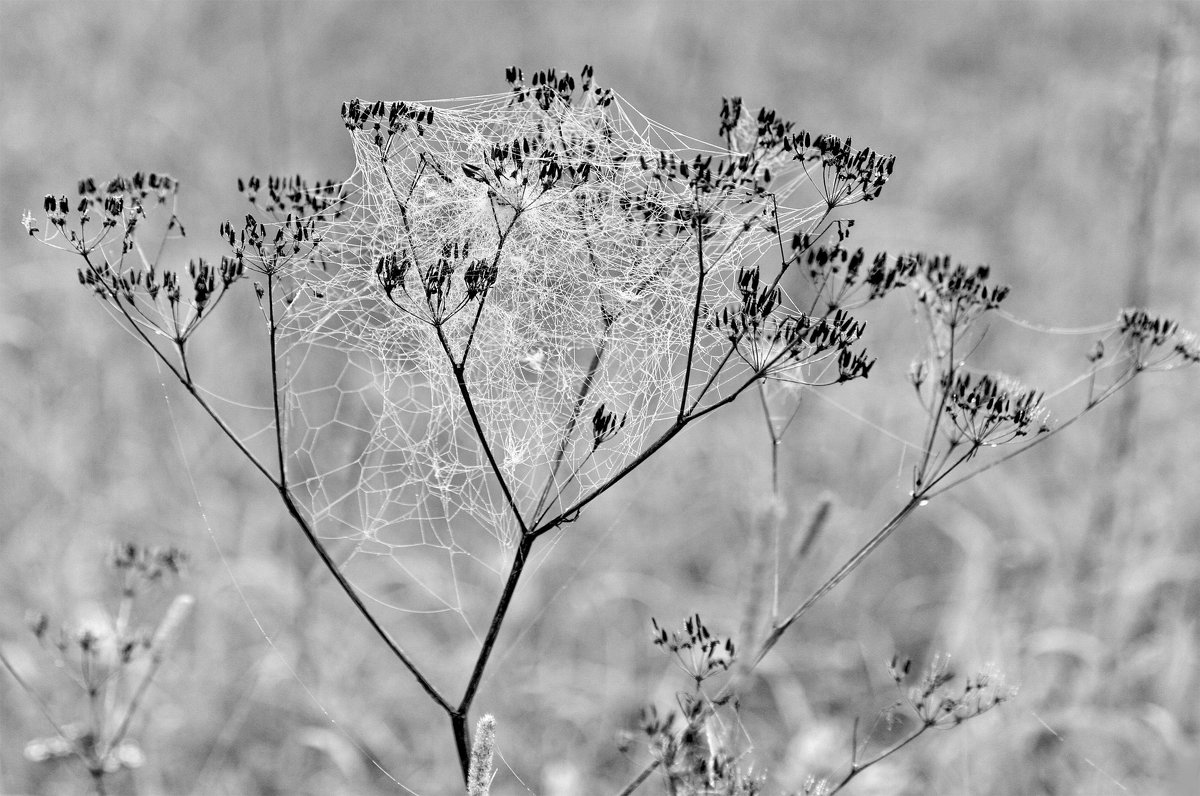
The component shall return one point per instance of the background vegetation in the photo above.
(1021, 132)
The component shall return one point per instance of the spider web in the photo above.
(590, 315)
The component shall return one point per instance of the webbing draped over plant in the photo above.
(517, 299)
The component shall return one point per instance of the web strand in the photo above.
(589, 317)
(237, 586)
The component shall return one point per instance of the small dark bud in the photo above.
(38, 623)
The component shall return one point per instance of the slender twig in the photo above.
(857, 767)
(293, 509)
(584, 390)
(780, 628)
(919, 499)
(181, 374)
(1092, 403)
(41, 703)
(638, 460)
(1119, 444)
(716, 372)
(776, 438)
(935, 417)
(163, 637)
(642, 776)
(276, 409)
(460, 379)
(475, 321)
(687, 368)
(352, 593)
(837, 577)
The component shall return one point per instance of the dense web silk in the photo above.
(591, 309)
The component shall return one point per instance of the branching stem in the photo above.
(638, 460)
(837, 577)
(857, 767)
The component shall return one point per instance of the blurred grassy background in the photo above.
(1019, 131)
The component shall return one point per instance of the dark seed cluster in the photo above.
(954, 293)
(386, 120)
(437, 292)
(293, 196)
(1154, 342)
(992, 410)
(548, 87)
(697, 651)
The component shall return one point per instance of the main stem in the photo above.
(458, 715)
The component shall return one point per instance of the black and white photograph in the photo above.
(557, 398)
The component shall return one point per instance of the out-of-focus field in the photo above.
(1020, 133)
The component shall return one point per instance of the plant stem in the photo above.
(637, 781)
(41, 703)
(584, 390)
(489, 641)
(162, 639)
(273, 339)
(687, 369)
(637, 461)
(352, 593)
(769, 642)
(460, 378)
(857, 768)
(285, 494)
(837, 577)
(462, 742)
(1119, 448)
(459, 714)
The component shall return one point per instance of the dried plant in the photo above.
(112, 665)
(501, 270)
